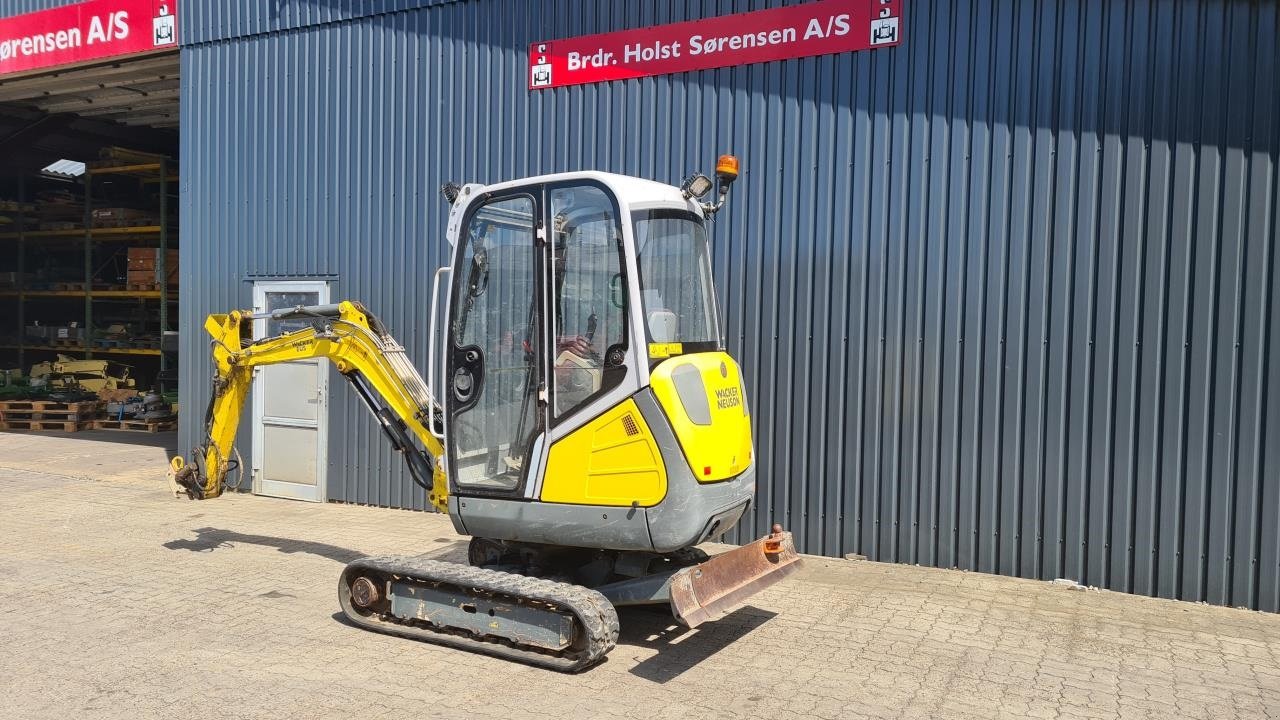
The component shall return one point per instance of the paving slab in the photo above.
(122, 602)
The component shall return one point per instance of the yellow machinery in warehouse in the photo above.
(85, 375)
(590, 429)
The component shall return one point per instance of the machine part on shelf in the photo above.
(90, 375)
(117, 410)
(154, 408)
(597, 431)
(71, 394)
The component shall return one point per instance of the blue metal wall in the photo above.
(1006, 296)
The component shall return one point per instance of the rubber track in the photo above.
(595, 616)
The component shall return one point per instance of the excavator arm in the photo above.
(361, 350)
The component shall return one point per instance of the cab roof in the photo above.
(633, 191)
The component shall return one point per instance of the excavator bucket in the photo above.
(711, 589)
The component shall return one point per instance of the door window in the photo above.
(285, 300)
(590, 297)
(494, 367)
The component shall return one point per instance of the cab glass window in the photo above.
(675, 279)
(589, 288)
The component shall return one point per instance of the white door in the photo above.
(290, 421)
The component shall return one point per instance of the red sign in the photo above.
(816, 28)
(91, 30)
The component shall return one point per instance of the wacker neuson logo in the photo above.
(88, 31)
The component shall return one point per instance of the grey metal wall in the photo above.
(1005, 296)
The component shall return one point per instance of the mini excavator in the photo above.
(583, 423)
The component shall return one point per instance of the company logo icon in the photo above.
(163, 28)
(884, 31)
(539, 69)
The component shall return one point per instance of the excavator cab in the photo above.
(585, 384)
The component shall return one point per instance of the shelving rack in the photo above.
(147, 236)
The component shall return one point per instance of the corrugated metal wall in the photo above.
(1005, 296)
(210, 21)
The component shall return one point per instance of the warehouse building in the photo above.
(88, 215)
(1002, 275)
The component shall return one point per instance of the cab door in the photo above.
(495, 371)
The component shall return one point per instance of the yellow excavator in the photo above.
(582, 421)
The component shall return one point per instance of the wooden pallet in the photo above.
(45, 425)
(47, 406)
(149, 287)
(28, 411)
(9, 416)
(125, 222)
(136, 425)
(80, 287)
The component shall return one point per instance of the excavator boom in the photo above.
(361, 350)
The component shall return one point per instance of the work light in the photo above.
(696, 186)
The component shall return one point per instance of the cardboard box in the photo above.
(151, 277)
(143, 268)
(147, 258)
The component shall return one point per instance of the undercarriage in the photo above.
(551, 606)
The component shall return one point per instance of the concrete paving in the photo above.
(121, 602)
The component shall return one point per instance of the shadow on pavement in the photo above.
(454, 551)
(209, 539)
(167, 440)
(679, 648)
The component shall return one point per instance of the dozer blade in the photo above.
(711, 589)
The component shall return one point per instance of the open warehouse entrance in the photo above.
(88, 221)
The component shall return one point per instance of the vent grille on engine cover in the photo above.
(629, 424)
